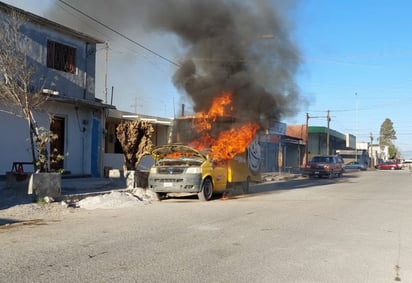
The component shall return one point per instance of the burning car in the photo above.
(182, 169)
(211, 153)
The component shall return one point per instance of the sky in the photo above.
(355, 62)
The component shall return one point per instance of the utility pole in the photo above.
(307, 134)
(106, 70)
(328, 134)
(307, 139)
(135, 105)
(356, 126)
(371, 150)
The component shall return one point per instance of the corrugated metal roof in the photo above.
(75, 101)
(296, 131)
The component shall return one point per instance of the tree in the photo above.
(386, 136)
(135, 138)
(20, 88)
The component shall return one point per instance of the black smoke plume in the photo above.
(239, 46)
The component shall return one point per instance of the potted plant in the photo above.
(45, 182)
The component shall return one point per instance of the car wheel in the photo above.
(207, 190)
(158, 196)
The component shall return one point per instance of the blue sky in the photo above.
(356, 62)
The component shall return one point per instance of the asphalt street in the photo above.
(352, 229)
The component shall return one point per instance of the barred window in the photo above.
(61, 57)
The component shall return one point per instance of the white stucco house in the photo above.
(68, 58)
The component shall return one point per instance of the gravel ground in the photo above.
(20, 208)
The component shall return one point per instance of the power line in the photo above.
(81, 19)
(120, 34)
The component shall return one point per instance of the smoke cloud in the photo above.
(239, 46)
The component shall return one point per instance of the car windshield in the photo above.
(322, 159)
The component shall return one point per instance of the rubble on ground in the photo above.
(112, 200)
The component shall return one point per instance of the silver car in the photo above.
(355, 165)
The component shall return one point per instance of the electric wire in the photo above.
(121, 34)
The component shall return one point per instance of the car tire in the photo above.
(206, 192)
(158, 196)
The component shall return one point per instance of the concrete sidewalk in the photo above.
(72, 189)
(73, 186)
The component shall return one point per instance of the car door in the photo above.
(219, 174)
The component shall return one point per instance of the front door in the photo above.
(57, 145)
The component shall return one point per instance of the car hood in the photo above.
(174, 151)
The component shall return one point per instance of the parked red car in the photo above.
(389, 165)
(324, 165)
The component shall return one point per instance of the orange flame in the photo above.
(234, 141)
(229, 143)
(203, 121)
(176, 155)
(220, 104)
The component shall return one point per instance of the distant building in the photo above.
(379, 154)
(294, 147)
(318, 141)
(322, 141)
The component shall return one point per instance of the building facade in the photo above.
(325, 141)
(64, 62)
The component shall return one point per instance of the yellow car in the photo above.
(182, 169)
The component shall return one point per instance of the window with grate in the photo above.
(61, 57)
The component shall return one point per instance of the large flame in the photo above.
(228, 143)
(220, 105)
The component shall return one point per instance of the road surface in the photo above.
(352, 229)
